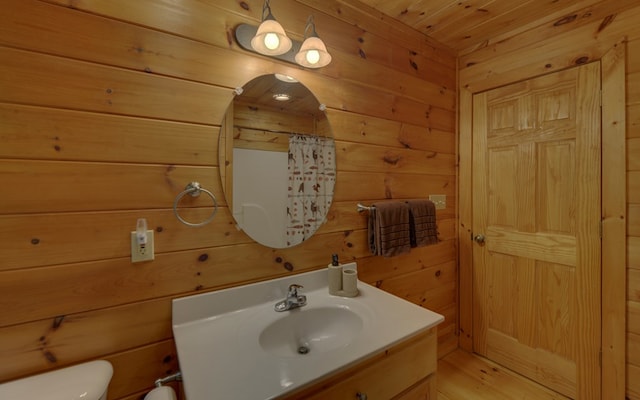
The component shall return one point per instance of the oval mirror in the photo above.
(277, 161)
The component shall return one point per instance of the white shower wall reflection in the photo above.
(259, 193)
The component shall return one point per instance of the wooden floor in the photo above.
(465, 376)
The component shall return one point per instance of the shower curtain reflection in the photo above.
(311, 170)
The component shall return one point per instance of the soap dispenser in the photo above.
(335, 276)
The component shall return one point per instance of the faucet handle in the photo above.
(293, 289)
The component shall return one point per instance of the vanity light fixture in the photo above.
(313, 53)
(270, 39)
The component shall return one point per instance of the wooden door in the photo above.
(536, 202)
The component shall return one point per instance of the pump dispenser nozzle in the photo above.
(335, 276)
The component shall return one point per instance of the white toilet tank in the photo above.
(88, 381)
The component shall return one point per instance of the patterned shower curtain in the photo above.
(311, 180)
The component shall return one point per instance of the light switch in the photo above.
(440, 200)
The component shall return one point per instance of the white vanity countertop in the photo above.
(217, 336)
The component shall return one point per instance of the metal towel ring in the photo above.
(194, 189)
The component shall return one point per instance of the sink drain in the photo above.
(303, 350)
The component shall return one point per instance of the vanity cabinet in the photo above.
(405, 371)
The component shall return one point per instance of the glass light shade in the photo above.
(270, 39)
(313, 53)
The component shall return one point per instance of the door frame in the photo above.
(614, 219)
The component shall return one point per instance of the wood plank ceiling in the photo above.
(466, 25)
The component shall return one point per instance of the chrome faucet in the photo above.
(293, 300)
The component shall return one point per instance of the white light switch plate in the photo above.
(140, 253)
(440, 200)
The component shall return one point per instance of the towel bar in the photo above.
(362, 208)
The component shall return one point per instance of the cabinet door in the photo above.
(384, 376)
(426, 389)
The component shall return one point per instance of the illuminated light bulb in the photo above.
(313, 56)
(271, 41)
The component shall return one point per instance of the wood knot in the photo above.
(288, 266)
(57, 321)
(50, 357)
(581, 60)
(203, 257)
(606, 22)
(566, 20)
(404, 143)
(391, 159)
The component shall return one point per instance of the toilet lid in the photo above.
(87, 381)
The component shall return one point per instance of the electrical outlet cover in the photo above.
(140, 253)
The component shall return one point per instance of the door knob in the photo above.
(479, 239)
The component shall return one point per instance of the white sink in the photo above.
(307, 331)
(232, 344)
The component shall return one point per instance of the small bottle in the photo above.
(335, 276)
(334, 260)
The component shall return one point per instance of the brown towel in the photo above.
(424, 230)
(389, 229)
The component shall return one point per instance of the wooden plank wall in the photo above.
(550, 47)
(109, 108)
